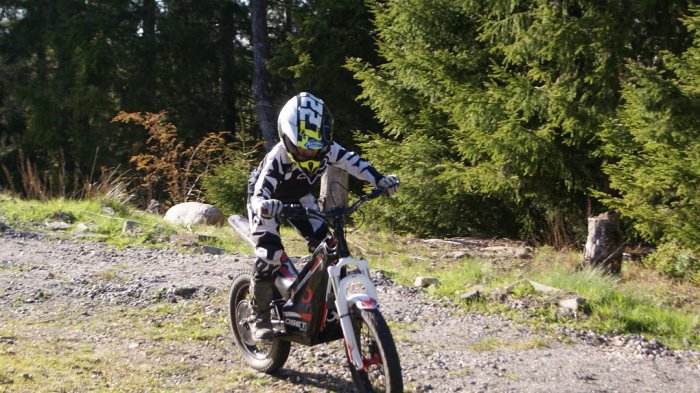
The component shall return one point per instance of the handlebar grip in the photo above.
(293, 211)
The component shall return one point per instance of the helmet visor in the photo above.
(303, 154)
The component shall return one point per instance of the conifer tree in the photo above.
(654, 147)
(503, 101)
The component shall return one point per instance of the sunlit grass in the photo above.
(105, 220)
(62, 364)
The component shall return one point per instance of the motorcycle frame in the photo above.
(323, 269)
(333, 258)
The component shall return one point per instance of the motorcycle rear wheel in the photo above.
(266, 356)
(382, 369)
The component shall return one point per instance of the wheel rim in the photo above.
(244, 317)
(373, 366)
(245, 313)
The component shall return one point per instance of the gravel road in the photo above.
(442, 348)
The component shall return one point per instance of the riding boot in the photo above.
(263, 291)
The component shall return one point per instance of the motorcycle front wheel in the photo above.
(381, 371)
(266, 356)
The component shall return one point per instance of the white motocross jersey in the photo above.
(277, 177)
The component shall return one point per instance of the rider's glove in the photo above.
(269, 208)
(390, 183)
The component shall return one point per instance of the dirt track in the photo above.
(61, 297)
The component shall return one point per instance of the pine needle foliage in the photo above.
(226, 185)
(501, 103)
(654, 145)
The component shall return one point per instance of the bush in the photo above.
(226, 186)
(676, 262)
(168, 165)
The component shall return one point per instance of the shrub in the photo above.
(675, 261)
(226, 186)
(168, 164)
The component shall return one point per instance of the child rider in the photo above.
(286, 175)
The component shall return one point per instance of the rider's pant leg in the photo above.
(313, 229)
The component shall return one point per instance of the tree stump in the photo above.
(604, 244)
(334, 189)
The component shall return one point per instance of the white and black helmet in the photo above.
(305, 123)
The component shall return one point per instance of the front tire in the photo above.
(382, 369)
(266, 356)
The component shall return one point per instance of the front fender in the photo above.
(363, 302)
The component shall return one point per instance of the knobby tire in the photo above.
(378, 333)
(265, 356)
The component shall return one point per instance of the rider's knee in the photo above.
(263, 271)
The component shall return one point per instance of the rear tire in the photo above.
(266, 356)
(382, 371)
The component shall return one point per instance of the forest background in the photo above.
(514, 118)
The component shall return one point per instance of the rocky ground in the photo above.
(62, 297)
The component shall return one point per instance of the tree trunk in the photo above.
(334, 189)
(227, 80)
(604, 244)
(263, 106)
(144, 89)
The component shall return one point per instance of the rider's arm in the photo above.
(352, 163)
(271, 173)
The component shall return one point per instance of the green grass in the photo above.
(639, 301)
(105, 220)
(116, 348)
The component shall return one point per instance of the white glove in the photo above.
(269, 208)
(390, 183)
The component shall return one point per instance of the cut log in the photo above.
(334, 189)
(605, 242)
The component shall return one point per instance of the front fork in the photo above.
(343, 301)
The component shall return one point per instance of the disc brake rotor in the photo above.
(245, 312)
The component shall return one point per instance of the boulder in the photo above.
(426, 282)
(194, 213)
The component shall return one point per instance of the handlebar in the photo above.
(296, 211)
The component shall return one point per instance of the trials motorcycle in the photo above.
(332, 297)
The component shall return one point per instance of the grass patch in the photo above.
(639, 301)
(75, 353)
(103, 220)
(488, 344)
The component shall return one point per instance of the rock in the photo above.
(185, 292)
(184, 240)
(130, 227)
(57, 225)
(476, 292)
(426, 282)
(194, 213)
(154, 207)
(574, 303)
(83, 227)
(545, 289)
(570, 307)
(459, 254)
(212, 250)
